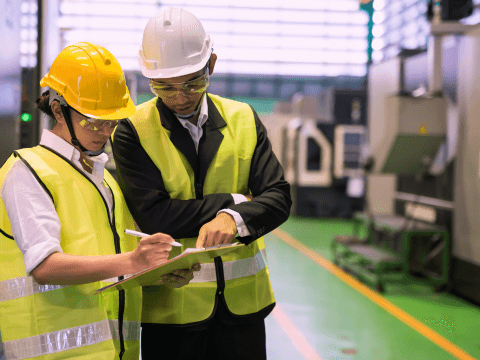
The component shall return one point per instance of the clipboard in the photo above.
(151, 276)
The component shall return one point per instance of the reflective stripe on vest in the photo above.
(232, 269)
(23, 286)
(68, 339)
(131, 330)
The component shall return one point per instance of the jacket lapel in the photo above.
(179, 136)
(211, 139)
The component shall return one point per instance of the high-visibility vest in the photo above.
(247, 282)
(68, 322)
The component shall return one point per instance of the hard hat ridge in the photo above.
(167, 17)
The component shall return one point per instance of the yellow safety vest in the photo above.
(68, 322)
(247, 282)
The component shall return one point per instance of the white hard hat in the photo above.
(174, 44)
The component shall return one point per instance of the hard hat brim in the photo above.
(172, 72)
(109, 114)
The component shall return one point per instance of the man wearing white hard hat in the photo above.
(200, 168)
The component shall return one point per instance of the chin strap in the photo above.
(75, 141)
(66, 115)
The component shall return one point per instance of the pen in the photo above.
(140, 234)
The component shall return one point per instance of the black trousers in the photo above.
(219, 341)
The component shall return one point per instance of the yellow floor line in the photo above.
(298, 339)
(376, 297)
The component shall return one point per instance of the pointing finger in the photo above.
(201, 238)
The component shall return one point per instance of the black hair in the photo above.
(43, 104)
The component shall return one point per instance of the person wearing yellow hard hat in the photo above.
(63, 220)
(188, 162)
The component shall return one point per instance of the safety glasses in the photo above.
(97, 125)
(188, 89)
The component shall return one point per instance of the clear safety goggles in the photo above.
(188, 89)
(97, 125)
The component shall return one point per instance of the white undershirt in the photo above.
(196, 132)
(33, 218)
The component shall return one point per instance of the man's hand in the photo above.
(151, 251)
(220, 230)
(180, 278)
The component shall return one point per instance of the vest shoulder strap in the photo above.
(23, 155)
(146, 118)
(232, 110)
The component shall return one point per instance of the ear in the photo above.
(57, 112)
(213, 60)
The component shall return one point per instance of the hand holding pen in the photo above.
(142, 235)
(152, 250)
(179, 277)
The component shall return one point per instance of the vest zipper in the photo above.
(220, 275)
(116, 240)
(218, 260)
(198, 191)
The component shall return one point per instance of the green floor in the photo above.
(340, 323)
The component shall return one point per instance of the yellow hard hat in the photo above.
(91, 81)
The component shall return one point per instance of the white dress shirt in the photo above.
(34, 220)
(196, 133)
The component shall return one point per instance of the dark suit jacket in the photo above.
(154, 210)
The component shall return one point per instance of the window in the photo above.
(276, 37)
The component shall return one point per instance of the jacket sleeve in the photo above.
(148, 200)
(271, 202)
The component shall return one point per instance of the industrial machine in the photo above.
(426, 141)
(413, 130)
(321, 158)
